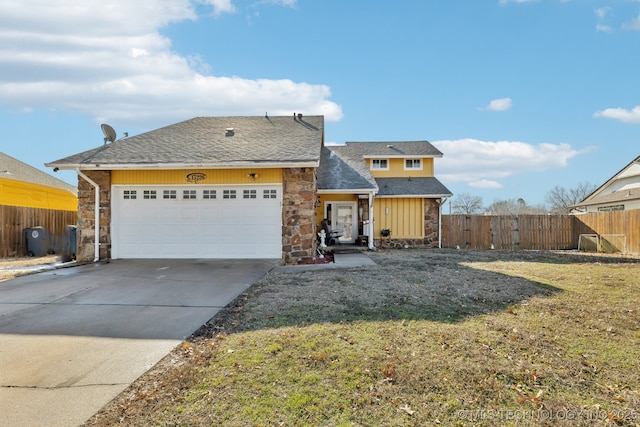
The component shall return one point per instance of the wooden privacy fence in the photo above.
(14, 220)
(542, 232)
(616, 223)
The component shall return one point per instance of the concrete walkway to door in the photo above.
(72, 339)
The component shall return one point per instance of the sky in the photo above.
(519, 95)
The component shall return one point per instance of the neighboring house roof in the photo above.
(342, 170)
(395, 149)
(14, 169)
(417, 187)
(624, 186)
(212, 142)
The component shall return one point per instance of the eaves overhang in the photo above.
(401, 156)
(349, 191)
(165, 166)
(598, 202)
(414, 196)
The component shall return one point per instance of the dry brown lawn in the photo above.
(11, 267)
(427, 337)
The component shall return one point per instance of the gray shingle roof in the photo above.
(426, 187)
(11, 168)
(343, 167)
(617, 197)
(395, 148)
(205, 141)
(340, 171)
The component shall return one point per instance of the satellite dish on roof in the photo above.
(109, 133)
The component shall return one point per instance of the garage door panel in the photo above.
(196, 228)
(189, 213)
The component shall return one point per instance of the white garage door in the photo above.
(196, 221)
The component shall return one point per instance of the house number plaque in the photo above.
(195, 177)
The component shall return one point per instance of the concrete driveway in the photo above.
(72, 339)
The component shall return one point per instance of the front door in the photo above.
(344, 220)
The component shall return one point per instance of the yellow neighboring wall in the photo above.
(212, 176)
(20, 193)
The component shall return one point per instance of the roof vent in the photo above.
(389, 145)
(229, 132)
(299, 116)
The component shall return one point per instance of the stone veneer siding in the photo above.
(431, 223)
(298, 215)
(86, 216)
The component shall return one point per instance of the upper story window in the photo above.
(412, 163)
(380, 164)
(610, 208)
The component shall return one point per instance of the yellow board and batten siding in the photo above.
(397, 170)
(403, 216)
(30, 195)
(213, 176)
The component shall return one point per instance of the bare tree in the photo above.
(560, 199)
(466, 204)
(515, 207)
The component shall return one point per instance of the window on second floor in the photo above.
(412, 164)
(379, 164)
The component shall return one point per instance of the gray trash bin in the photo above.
(69, 250)
(37, 240)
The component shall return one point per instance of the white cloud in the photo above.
(601, 12)
(288, 3)
(622, 114)
(108, 60)
(633, 24)
(484, 162)
(485, 183)
(501, 104)
(517, 1)
(220, 6)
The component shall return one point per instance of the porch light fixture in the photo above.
(252, 176)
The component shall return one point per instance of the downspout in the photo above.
(371, 219)
(96, 187)
(440, 203)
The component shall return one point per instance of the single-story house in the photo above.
(621, 192)
(250, 187)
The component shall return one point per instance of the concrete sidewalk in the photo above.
(72, 339)
(342, 260)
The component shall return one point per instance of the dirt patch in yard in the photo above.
(424, 337)
(19, 266)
